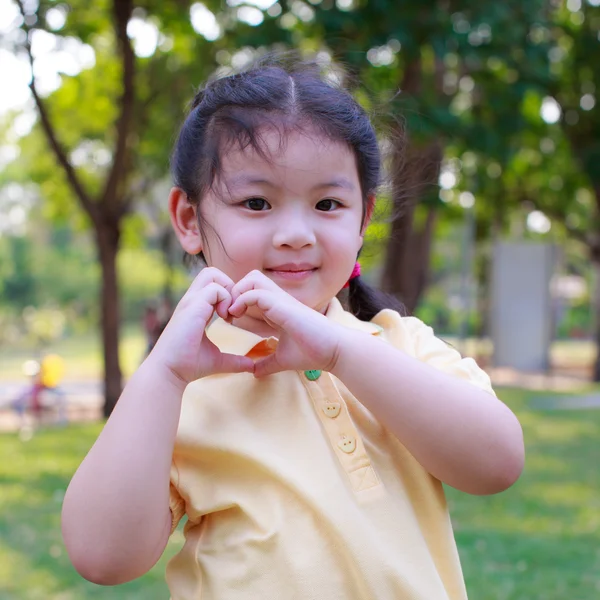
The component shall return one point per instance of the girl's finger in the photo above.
(211, 275)
(267, 366)
(255, 297)
(202, 280)
(222, 308)
(217, 296)
(255, 280)
(233, 363)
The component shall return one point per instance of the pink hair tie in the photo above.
(355, 273)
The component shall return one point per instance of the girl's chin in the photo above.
(316, 304)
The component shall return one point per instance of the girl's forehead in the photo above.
(304, 153)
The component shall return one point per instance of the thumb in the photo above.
(267, 366)
(233, 363)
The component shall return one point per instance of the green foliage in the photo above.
(473, 77)
(143, 275)
(576, 322)
(58, 269)
(18, 282)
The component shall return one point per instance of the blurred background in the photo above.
(497, 245)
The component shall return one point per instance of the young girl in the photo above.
(305, 444)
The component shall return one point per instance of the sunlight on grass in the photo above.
(82, 356)
(548, 464)
(33, 560)
(540, 540)
(561, 431)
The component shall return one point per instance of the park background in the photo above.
(496, 104)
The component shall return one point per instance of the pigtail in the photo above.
(365, 301)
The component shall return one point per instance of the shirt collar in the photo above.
(234, 340)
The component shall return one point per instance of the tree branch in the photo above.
(59, 151)
(120, 166)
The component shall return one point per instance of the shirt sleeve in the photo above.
(176, 502)
(414, 337)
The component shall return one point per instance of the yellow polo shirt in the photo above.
(294, 491)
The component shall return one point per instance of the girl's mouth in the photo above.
(291, 275)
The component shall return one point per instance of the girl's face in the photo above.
(297, 218)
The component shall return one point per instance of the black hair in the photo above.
(286, 94)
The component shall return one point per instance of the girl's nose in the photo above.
(294, 232)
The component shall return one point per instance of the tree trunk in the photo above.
(421, 241)
(596, 292)
(394, 280)
(595, 260)
(108, 237)
(406, 268)
(107, 211)
(415, 173)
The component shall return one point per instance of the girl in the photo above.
(306, 444)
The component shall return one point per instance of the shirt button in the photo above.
(347, 444)
(312, 375)
(332, 409)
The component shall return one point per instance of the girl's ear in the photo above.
(368, 214)
(185, 221)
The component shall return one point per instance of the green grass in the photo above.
(82, 355)
(540, 540)
(33, 561)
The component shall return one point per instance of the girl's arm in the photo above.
(116, 518)
(461, 434)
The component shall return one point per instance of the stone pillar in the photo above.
(521, 308)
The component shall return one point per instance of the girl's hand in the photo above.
(307, 339)
(183, 346)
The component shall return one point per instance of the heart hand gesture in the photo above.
(307, 339)
(183, 346)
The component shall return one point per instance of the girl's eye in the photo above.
(328, 205)
(256, 204)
